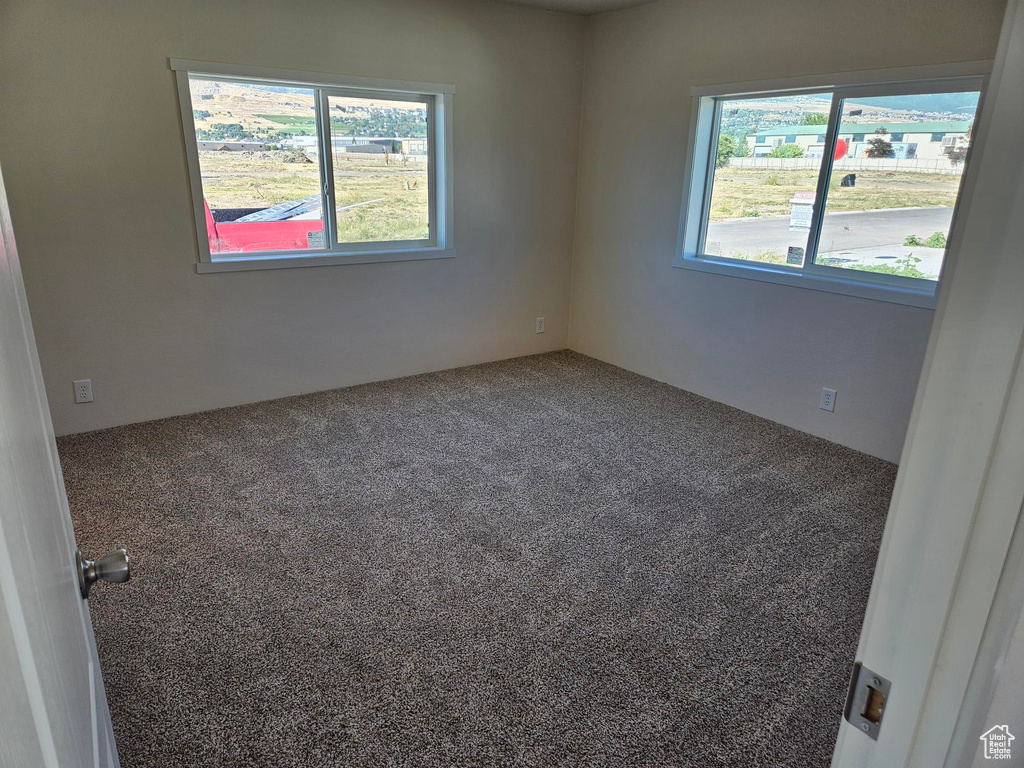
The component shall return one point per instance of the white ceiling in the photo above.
(580, 6)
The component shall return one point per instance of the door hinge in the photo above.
(865, 703)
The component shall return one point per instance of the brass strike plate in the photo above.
(865, 704)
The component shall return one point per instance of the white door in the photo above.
(53, 710)
(960, 485)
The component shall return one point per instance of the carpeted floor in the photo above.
(545, 561)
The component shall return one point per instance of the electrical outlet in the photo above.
(540, 325)
(83, 390)
(828, 399)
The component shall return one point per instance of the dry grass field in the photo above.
(263, 179)
(740, 192)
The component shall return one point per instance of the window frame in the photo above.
(440, 177)
(699, 175)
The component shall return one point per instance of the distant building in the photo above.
(374, 146)
(361, 149)
(924, 141)
(231, 146)
(414, 146)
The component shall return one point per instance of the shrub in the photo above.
(772, 181)
(957, 156)
(787, 150)
(905, 267)
(913, 240)
(766, 256)
(937, 240)
(769, 257)
(891, 269)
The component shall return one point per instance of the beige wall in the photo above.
(765, 348)
(93, 156)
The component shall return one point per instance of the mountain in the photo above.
(927, 102)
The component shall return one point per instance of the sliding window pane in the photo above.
(380, 154)
(766, 167)
(892, 193)
(257, 160)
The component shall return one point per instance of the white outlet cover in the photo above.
(828, 399)
(83, 390)
(540, 325)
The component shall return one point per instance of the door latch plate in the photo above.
(865, 703)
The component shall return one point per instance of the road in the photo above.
(856, 237)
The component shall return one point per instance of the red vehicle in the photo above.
(285, 227)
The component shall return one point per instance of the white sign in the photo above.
(997, 742)
(800, 214)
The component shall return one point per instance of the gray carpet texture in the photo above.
(546, 561)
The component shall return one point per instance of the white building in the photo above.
(924, 140)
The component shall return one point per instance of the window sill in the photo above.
(248, 263)
(809, 281)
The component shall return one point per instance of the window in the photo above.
(294, 169)
(865, 215)
(938, 136)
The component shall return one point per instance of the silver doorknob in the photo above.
(114, 566)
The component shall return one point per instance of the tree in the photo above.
(726, 148)
(816, 118)
(742, 149)
(787, 150)
(957, 155)
(880, 146)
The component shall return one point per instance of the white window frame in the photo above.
(699, 175)
(439, 102)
